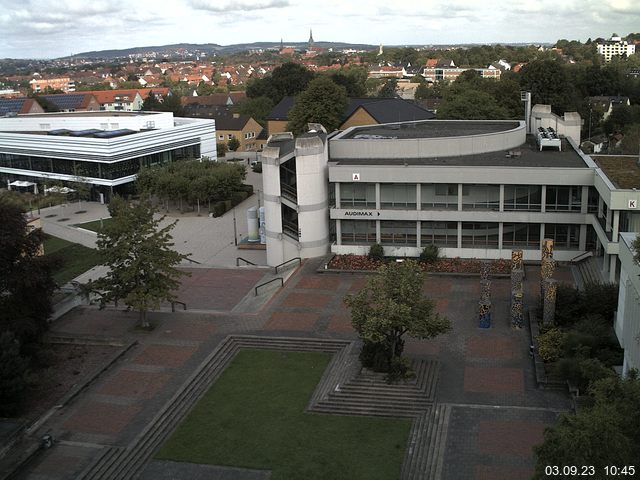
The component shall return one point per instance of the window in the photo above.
(398, 196)
(522, 197)
(521, 235)
(357, 195)
(439, 196)
(480, 197)
(229, 136)
(45, 126)
(220, 137)
(483, 235)
(564, 236)
(442, 234)
(568, 199)
(398, 233)
(358, 232)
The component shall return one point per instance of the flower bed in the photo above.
(442, 265)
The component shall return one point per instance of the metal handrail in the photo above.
(267, 283)
(192, 261)
(244, 260)
(173, 305)
(288, 261)
(582, 256)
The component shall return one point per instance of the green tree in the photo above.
(353, 79)
(151, 103)
(388, 90)
(471, 105)
(606, 434)
(26, 282)
(142, 265)
(549, 84)
(287, 80)
(636, 248)
(391, 305)
(257, 108)
(233, 144)
(221, 149)
(322, 102)
(13, 369)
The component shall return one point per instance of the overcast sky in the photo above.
(54, 28)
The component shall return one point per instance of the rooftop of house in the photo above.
(624, 172)
(431, 129)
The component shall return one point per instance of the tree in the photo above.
(549, 84)
(287, 80)
(233, 144)
(26, 282)
(221, 149)
(13, 369)
(636, 248)
(392, 305)
(322, 102)
(606, 434)
(471, 105)
(388, 90)
(257, 108)
(142, 265)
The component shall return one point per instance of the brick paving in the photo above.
(486, 375)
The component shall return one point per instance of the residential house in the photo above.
(74, 102)
(234, 125)
(18, 106)
(606, 104)
(359, 111)
(40, 84)
(615, 46)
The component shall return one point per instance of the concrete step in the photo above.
(357, 410)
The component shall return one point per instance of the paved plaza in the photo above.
(486, 376)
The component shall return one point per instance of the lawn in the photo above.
(95, 225)
(253, 417)
(74, 259)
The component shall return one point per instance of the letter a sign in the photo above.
(355, 177)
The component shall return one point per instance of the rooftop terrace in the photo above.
(430, 129)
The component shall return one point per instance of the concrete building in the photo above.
(103, 149)
(65, 84)
(627, 324)
(615, 46)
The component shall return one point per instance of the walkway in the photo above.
(494, 412)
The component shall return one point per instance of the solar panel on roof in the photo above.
(85, 133)
(114, 133)
(11, 105)
(65, 102)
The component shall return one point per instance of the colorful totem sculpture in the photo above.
(484, 308)
(517, 293)
(549, 304)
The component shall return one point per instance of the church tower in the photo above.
(310, 38)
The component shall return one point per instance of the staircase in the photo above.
(588, 271)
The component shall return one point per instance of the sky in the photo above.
(55, 28)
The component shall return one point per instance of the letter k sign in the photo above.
(633, 204)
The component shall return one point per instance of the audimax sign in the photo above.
(361, 213)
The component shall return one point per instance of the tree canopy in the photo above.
(606, 434)
(288, 79)
(322, 102)
(142, 265)
(391, 305)
(471, 105)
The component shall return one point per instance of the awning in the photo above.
(55, 189)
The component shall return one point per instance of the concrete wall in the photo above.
(429, 147)
(627, 322)
(568, 125)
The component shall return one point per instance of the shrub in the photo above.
(13, 371)
(218, 208)
(257, 167)
(377, 355)
(550, 344)
(568, 305)
(600, 299)
(238, 197)
(376, 252)
(246, 188)
(400, 369)
(430, 254)
(582, 372)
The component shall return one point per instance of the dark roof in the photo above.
(383, 110)
(229, 122)
(286, 146)
(433, 129)
(67, 101)
(11, 105)
(388, 110)
(529, 156)
(281, 110)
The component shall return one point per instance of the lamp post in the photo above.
(590, 124)
(235, 230)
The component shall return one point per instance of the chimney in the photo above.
(236, 115)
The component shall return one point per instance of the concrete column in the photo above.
(541, 234)
(418, 197)
(459, 234)
(501, 202)
(337, 193)
(616, 225)
(613, 263)
(607, 224)
(378, 204)
(582, 241)
(338, 232)
(600, 204)
(500, 232)
(584, 205)
(605, 261)
(459, 198)
(378, 235)
(418, 239)
(543, 200)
